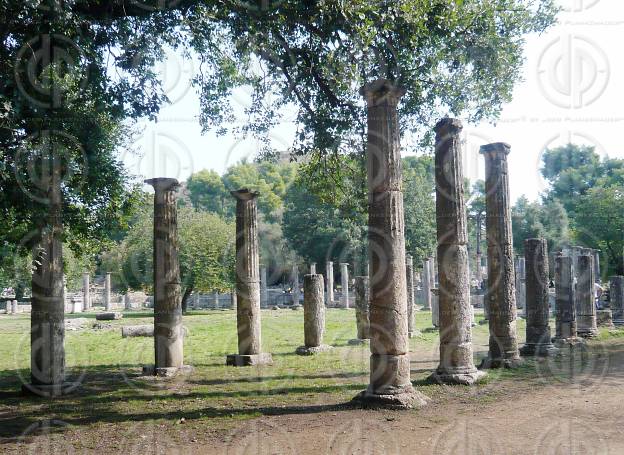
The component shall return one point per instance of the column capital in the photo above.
(448, 125)
(382, 91)
(163, 183)
(244, 194)
(495, 147)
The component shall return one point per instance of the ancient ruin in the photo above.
(565, 318)
(409, 276)
(617, 299)
(313, 316)
(361, 310)
(586, 325)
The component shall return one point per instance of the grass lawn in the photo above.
(214, 397)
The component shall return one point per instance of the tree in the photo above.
(207, 253)
(599, 224)
(207, 192)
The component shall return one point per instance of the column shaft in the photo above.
(616, 294)
(409, 273)
(344, 283)
(361, 307)
(565, 320)
(586, 308)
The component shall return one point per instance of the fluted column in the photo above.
(426, 285)
(264, 290)
(435, 302)
(108, 305)
(503, 345)
(247, 282)
(329, 277)
(390, 383)
(86, 295)
(313, 316)
(565, 319)
(537, 310)
(344, 283)
(586, 325)
(616, 294)
(313, 270)
(295, 284)
(361, 310)
(455, 312)
(168, 329)
(409, 275)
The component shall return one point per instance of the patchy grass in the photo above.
(214, 397)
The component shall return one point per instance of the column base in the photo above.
(166, 372)
(539, 350)
(490, 364)
(404, 398)
(240, 360)
(469, 377)
(571, 341)
(50, 390)
(587, 333)
(358, 341)
(312, 350)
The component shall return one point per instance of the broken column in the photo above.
(586, 325)
(295, 284)
(361, 310)
(616, 295)
(168, 331)
(329, 272)
(565, 318)
(344, 284)
(503, 344)
(15, 307)
(426, 285)
(108, 305)
(537, 309)
(390, 384)
(247, 283)
(86, 295)
(409, 272)
(313, 316)
(455, 312)
(264, 289)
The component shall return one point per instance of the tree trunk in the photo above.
(185, 298)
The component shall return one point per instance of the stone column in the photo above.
(313, 316)
(616, 294)
(520, 284)
(215, 300)
(586, 325)
(435, 307)
(264, 290)
(409, 273)
(344, 283)
(361, 310)
(565, 318)
(597, 274)
(108, 305)
(537, 308)
(503, 349)
(454, 309)
(295, 285)
(15, 306)
(47, 319)
(86, 295)
(390, 383)
(329, 272)
(426, 285)
(127, 302)
(168, 329)
(247, 283)
(233, 300)
(312, 272)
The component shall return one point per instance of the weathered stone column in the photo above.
(168, 330)
(616, 294)
(108, 304)
(313, 271)
(295, 284)
(344, 284)
(435, 307)
(313, 316)
(503, 349)
(520, 270)
(247, 283)
(86, 295)
(361, 310)
(15, 306)
(565, 318)
(47, 320)
(426, 285)
(455, 315)
(586, 325)
(409, 275)
(264, 289)
(329, 272)
(597, 273)
(390, 362)
(127, 302)
(537, 309)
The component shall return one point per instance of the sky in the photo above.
(572, 91)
